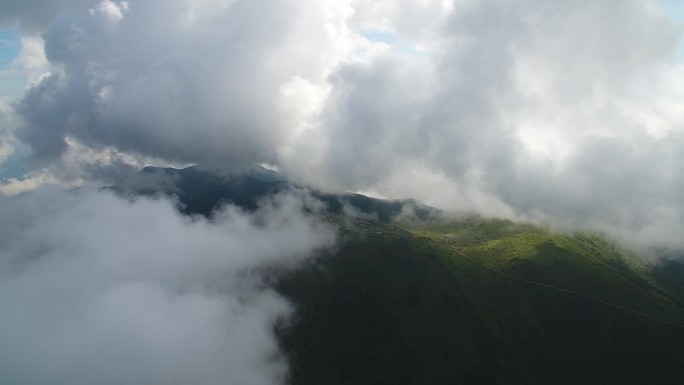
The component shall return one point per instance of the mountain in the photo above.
(441, 299)
(404, 307)
(202, 192)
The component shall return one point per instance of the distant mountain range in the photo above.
(201, 192)
(441, 299)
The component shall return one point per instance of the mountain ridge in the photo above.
(462, 299)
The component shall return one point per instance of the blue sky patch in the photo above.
(675, 9)
(392, 39)
(13, 80)
(10, 45)
(15, 166)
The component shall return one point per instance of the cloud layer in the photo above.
(569, 114)
(98, 289)
(36, 15)
(178, 80)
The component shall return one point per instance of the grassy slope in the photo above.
(582, 262)
(400, 307)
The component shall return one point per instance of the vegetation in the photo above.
(463, 300)
(407, 309)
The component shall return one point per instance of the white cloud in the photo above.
(27, 68)
(113, 11)
(31, 60)
(203, 85)
(6, 150)
(8, 122)
(97, 289)
(31, 181)
(560, 111)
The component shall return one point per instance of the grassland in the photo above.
(396, 304)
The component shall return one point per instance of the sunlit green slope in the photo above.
(462, 300)
(403, 306)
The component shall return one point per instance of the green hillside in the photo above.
(463, 300)
(402, 306)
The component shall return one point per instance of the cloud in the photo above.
(35, 16)
(567, 113)
(204, 85)
(6, 123)
(561, 113)
(98, 289)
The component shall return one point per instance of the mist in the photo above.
(96, 288)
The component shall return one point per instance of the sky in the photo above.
(569, 114)
(10, 45)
